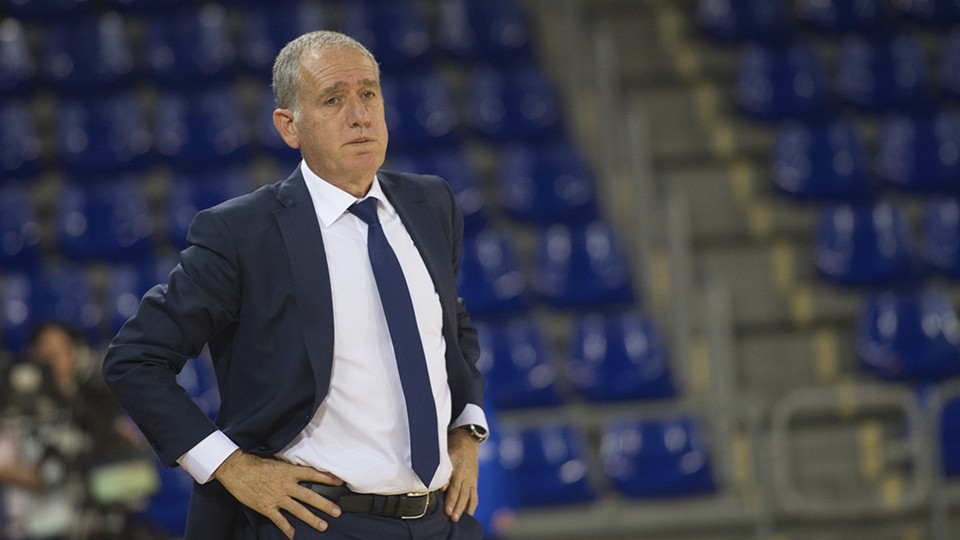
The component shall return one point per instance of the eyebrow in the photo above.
(366, 83)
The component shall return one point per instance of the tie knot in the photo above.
(366, 210)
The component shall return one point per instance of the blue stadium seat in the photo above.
(17, 66)
(932, 12)
(518, 366)
(198, 378)
(47, 10)
(821, 161)
(549, 464)
(909, 335)
(779, 82)
(619, 357)
(191, 192)
(53, 294)
(189, 48)
(920, 153)
(879, 75)
(734, 21)
(941, 235)
(512, 103)
(490, 280)
(451, 164)
(394, 32)
(418, 110)
(103, 220)
(268, 27)
(582, 266)
(150, 7)
(103, 135)
(88, 55)
(950, 437)
(950, 63)
(489, 31)
(168, 507)
(207, 128)
(19, 229)
(496, 486)
(657, 458)
(865, 17)
(865, 244)
(126, 285)
(546, 182)
(21, 145)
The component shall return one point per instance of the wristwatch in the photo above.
(479, 433)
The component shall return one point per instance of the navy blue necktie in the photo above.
(407, 346)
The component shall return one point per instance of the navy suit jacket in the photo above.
(253, 284)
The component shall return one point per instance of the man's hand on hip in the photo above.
(461, 492)
(270, 485)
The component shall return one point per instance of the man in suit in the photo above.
(288, 288)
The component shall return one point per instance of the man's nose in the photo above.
(357, 113)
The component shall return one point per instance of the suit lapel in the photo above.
(297, 219)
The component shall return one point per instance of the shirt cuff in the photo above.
(472, 414)
(202, 460)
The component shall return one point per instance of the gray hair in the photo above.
(286, 68)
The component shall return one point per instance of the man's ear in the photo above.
(283, 121)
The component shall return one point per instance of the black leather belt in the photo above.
(409, 506)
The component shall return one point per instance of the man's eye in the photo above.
(332, 101)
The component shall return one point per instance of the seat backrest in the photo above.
(920, 153)
(821, 161)
(550, 465)
(781, 81)
(490, 280)
(518, 365)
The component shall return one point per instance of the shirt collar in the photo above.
(331, 202)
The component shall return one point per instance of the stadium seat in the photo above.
(489, 31)
(268, 27)
(191, 192)
(198, 378)
(126, 285)
(88, 55)
(393, 31)
(909, 335)
(168, 507)
(879, 75)
(941, 235)
(865, 244)
(864, 17)
(20, 155)
(657, 458)
(517, 364)
(619, 357)
(189, 48)
(780, 82)
(920, 153)
(512, 103)
(103, 220)
(950, 438)
(549, 464)
(932, 12)
(19, 229)
(735, 21)
(582, 266)
(207, 128)
(950, 63)
(546, 183)
(495, 485)
(103, 135)
(451, 164)
(490, 279)
(53, 294)
(418, 110)
(820, 161)
(47, 10)
(17, 66)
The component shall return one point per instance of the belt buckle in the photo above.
(426, 503)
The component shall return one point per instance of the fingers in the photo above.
(281, 522)
(309, 474)
(317, 501)
(460, 497)
(303, 514)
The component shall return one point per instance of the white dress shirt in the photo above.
(360, 432)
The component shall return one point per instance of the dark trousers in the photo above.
(435, 525)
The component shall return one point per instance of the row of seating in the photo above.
(192, 46)
(824, 161)
(772, 21)
(872, 76)
(211, 126)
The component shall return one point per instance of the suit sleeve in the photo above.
(172, 324)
